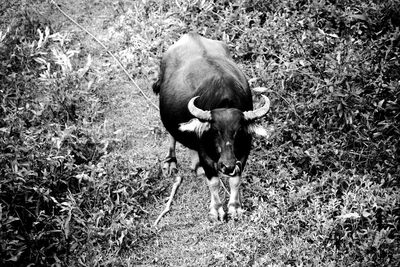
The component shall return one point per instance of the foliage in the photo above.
(42, 151)
(111, 211)
(54, 172)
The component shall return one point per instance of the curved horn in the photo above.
(258, 113)
(204, 115)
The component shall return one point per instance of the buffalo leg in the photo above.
(235, 205)
(216, 210)
(195, 165)
(169, 166)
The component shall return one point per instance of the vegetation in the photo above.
(62, 193)
(322, 190)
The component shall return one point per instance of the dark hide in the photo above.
(196, 66)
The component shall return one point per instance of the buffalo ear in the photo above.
(258, 130)
(196, 126)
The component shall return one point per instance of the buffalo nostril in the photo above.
(227, 168)
(222, 168)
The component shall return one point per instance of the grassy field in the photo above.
(81, 149)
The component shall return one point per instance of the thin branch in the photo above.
(178, 181)
(224, 186)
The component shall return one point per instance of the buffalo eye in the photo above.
(238, 132)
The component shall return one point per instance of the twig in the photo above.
(178, 181)
(109, 52)
(224, 186)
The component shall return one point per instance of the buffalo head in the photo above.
(225, 132)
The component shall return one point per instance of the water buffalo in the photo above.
(206, 105)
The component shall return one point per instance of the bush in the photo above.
(44, 95)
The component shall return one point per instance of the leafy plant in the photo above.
(42, 153)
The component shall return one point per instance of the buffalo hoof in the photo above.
(217, 215)
(200, 172)
(235, 212)
(169, 168)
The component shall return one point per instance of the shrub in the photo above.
(43, 97)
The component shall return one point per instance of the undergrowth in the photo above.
(62, 194)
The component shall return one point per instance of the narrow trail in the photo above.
(184, 237)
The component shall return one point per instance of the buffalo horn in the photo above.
(204, 115)
(258, 113)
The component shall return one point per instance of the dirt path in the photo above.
(184, 237)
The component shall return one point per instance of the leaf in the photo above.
(66, 224)
(121, 238)
(41, 36)
(366, 214)
(380, 103)
(359, 17)
(11, 219)
(85, 69)
(333, 35)
(352, 215)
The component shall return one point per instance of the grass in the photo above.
(81, 148)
